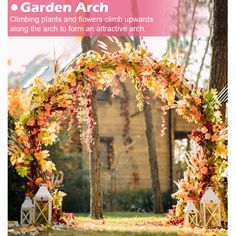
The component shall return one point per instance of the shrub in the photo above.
(77, 189)
(140, 201)
(16, 186)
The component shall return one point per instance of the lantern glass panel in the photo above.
(212, 215)
(42, 212)
(191, 219)
(26, 217)
(27, 211)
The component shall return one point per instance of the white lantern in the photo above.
(43, 205)
(210, 209)
(27, 212)
(190, 214)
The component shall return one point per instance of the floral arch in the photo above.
(72, 92)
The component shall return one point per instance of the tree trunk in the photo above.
(96, 199)
(219, 43)
(156, 190)
(170, 141)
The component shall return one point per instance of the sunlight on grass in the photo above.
(132, 224)
(125, 217)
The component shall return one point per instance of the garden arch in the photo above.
(72, 91)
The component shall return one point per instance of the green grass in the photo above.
(128, 217)
(130, 224)
(123, 214)
(80, 233)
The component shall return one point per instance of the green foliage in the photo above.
(77, 189)
(57, 198)
(22, 171)
(16, 193)
(141, 201)
(16, 186)
(167, 201)
(68, 158)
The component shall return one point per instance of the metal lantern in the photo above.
(27, 212)
(43, 205)
(190, 214)
(210, 209)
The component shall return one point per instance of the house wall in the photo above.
(131, 169)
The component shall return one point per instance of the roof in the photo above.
(210, 197)
(190, 207)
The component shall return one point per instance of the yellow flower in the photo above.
(150, 84)
(19, 128)
(41, 156)
(221, 149)
(48, 135)
(170, 95)
(48, 166)
(13, 159)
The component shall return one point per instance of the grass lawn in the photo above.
(131, 224)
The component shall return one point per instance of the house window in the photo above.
(104, 96)
(106, 152)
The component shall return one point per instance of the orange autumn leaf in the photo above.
(41, 120)
(48, 107)
(199, 175)
(38, 181)
(202, 163)
(214, 138)
(174, 77)
(48, 184)
(47, 113)
(23, 138)
(90, 65)
(34, 131)
(120, 69)
(204, 129)
(177, 83)
(194, 109)
(178, 68)
(86, 71)
(124, 55)
(73, 82)
(197, 139)
(204, 170)
(207, 136)
(198, 116)
(53, 99)
(129, 68)
(198, 101)
(30, 123)
(63, 104)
